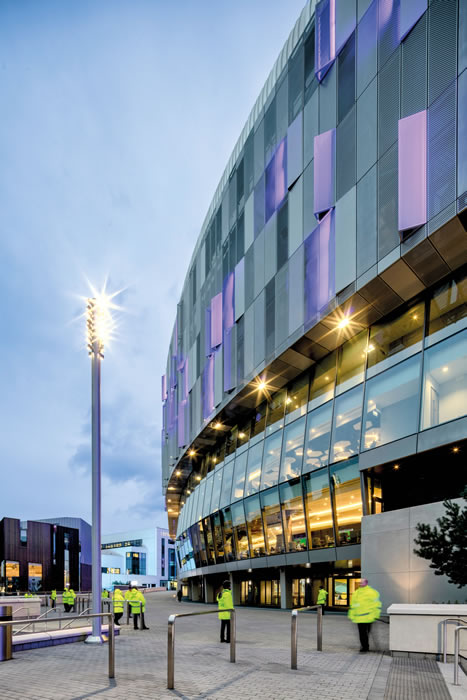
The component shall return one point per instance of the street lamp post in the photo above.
(98, 317)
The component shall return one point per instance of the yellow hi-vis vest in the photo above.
(365, 605)
(322, 596)
(225, 601)
(118, 600)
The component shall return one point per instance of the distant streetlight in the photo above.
(99, 330)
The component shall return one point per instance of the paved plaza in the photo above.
(202, 668)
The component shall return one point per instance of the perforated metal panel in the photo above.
(442, 152)
(388, 236)
(345, 154)
(414, 70)
(388, 29)
(388, 103)
(442, 46)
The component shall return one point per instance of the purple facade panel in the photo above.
(228, 379)
(270, 174)
(208, 387)
(276, 179)
(181, 425)
(410, 13)
(319, 268)
(185, 380)
(164, 387)
(216, 321)
(412, 171)
(324, 167)
(207, 332)
(325, 37)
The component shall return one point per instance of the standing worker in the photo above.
(119, 602)
(53, 597)
(127, 597)
(136, 604)
(225, 602)
(179, 595)
(364, 609)
(322, 597)
(142, 600)
(69, 597)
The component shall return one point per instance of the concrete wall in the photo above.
(391, 566)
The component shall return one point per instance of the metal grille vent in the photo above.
(388, 30)
(345, 154)
(442, 46)
(388, 104)
(462, 202)
(414, 70)
(442, 152)
(388, 235)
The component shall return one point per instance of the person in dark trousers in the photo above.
(225, 603)
(322, 597)
(365, 608)
(179, 595)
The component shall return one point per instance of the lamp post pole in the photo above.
(96, 347)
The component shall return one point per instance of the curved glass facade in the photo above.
(321, 332)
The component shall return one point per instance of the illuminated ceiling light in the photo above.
(455, 449)
(262, 385)
(217, 426)
(178, 472)
(171, 488)
(396, 467)
(214, 460)
(198, 477)
(289, 400)
(191, 453)
(241, 435)
(326, 378)
(343, 323)
(445, 369)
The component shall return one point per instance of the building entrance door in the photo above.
(343, 590)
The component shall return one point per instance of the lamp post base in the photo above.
(92, 639)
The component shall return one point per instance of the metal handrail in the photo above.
(171, 640)
(445, 634)
(33, 622)
(456, 652)
(293, 640)
(72, 620)
(10, 623)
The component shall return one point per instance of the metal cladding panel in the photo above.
(228, 302)
(442, 151)
(319, 267)
(410, 13)
(208, 387)
(216, 321)
(164, 387)
(346, 21)
(295, 150)
(276, 179)
(324, 167)
(239, 304)
(412, 171)
(325, 37)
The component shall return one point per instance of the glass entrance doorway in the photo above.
(257, 593)
(341, 591)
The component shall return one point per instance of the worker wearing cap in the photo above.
(365, 608)
(69, 597)
(53, 597)
(136, 604)
(322, 597)
(225, 604)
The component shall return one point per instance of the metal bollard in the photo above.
(111, 647)
(6, 633)
(456, 652)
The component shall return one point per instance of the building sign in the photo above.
(127, 543)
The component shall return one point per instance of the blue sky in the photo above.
(118, 118)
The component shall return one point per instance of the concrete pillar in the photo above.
(208, 591)
(286, 590)
(235, 588)
(194, 590)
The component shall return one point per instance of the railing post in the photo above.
(233, 637)
(171, 652)
(319, 641)
(60, 619)
(293, 655)
(456, 655)
(127, 612)
(111, 647)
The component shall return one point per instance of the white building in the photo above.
(146, 556)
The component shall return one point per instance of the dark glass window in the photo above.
(240, 350)
(255, 527)
(346, 79)
(270, 131)
(229, 548)
(259, 420)
(296, 82)
(240, 531)
(276, 405)
(448, 307)
(248, 165)
(240, 237)
(272, 521)
(345, 479)
(259, 206)
(395, 335)
(323, 378)
(218, 538)
(270, 317)
(297, 398)
(240, 186)
(310, 80)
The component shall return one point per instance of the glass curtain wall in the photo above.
(293, 516)
(345, 479)
(318, 507)
(272, 521)
(240, 531)
(255, 526)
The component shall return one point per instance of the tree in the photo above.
(446, 545)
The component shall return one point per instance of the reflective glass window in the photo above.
(276, 406)
(253, 470)
(231, 441)
(296, 82)
(323, 377)
(229, 548)
(293, 516)
(239, 476)
(318, 509)
(200, 544)
(259, 420)
(401, 333)
(347, 424)
(297, 398)
(208, 495)
(239, 530)
(351, 362)
(243, 435)
(271, 460)
(318, 437)
(345, 479)
(272, 521)
(254, 527)
(292, 450)
(391, 404)
(445, 381)
(216, 489)
(448, 309)
(218, 538)
(226, 485)
(202, 491)
(205, 527)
